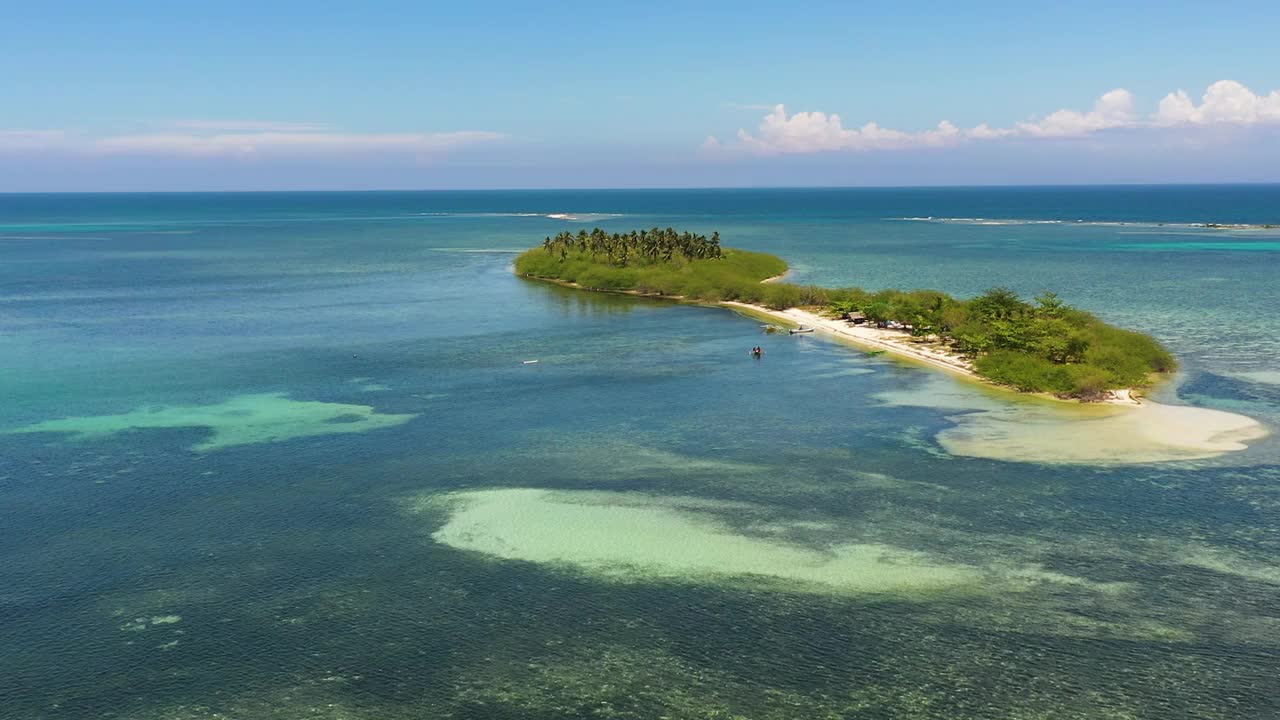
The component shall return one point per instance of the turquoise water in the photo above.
(280, 457)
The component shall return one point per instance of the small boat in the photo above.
(801, 329)
(528, 362)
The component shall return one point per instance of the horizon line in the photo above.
(1262, 183)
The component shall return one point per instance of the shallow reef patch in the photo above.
(634, 537)
(241, 420)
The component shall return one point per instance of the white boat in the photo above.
(801, 329)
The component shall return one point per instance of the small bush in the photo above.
(1089, 383)
(1025, 372)
(780, 296)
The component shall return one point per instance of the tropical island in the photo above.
(1041, 346)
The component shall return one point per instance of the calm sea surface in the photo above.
(280, 456)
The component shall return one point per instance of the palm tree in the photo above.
(619, 248)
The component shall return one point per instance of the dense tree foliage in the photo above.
(621, 248)
(656, 262)
(1043, 345)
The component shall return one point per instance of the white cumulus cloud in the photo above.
(1225, 102)
(815, 132)
(1113, 109)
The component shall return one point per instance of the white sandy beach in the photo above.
(1121, 429)
(894, 341)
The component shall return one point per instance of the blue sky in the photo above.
(282, 95)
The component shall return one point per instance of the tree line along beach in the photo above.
(1043, 346)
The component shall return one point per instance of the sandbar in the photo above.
(1027, 429)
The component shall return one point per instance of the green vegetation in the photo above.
(658, 262)
(1039, 346)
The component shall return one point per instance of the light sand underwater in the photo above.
(242, 420)
(1028, 430)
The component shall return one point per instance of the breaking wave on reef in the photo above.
(1089, 223)
(569, 216)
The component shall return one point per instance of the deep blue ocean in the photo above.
(280, 455)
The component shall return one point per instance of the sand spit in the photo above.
(1026, 429)
(1144, 434)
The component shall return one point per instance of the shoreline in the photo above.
(898, 344)
(1161, 432)
(890, 341)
